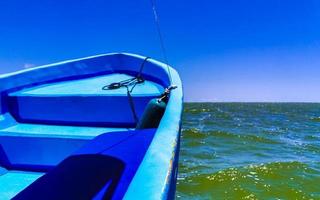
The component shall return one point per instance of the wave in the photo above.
(284, 180)
(315, 119)
(194, 133)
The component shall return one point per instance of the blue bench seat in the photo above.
(12, 182)
(101, 169)
(82, 102)
(39, 147)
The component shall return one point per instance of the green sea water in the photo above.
(250, 151)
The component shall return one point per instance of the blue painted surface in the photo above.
(26, 146)
(81, 68)
(60, 94)
(121, 150)
(54, 131)
(6, 120)
(91, 86)
(13, 182)
(36, 153)
(3, 171)
(43, 104)
(160, 162)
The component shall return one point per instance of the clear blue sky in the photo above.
(228, 50)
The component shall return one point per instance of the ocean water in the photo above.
(250, 151)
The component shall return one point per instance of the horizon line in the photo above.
(251, 102)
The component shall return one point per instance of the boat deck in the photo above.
(91, 86)
(13, 182)
(82, 102)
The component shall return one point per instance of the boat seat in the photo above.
(82, 102)
(36, 147)
(101, 169)
(12, 182)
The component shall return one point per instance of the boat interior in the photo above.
(59, 131)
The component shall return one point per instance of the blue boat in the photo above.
(100, 127)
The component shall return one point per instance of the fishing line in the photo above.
(163, 49)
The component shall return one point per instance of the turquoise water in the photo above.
(250, 151)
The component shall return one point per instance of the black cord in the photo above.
(131, 103)
(141, 67)
(132, 81)
(127, 83)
